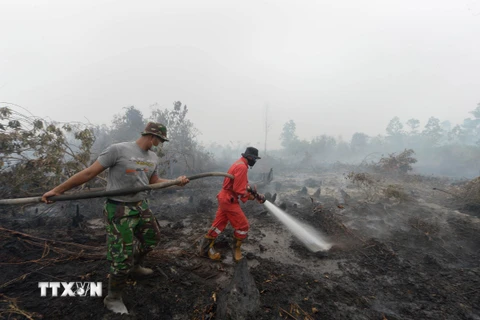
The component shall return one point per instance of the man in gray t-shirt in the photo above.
(129, 164)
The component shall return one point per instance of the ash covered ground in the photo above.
(401, 251)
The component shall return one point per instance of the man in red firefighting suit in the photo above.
(229, 207)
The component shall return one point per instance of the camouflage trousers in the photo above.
(124, 225)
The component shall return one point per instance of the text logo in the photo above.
(70, 289)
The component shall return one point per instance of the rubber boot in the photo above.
(237, 252)
(138, 270)
(207, 248)
(113, 301)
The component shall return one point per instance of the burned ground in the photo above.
(401, 251)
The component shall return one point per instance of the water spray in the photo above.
(310, 237)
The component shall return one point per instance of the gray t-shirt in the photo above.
(128, 166)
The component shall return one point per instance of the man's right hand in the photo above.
(182, 180)
(49, 194)
(260, 198)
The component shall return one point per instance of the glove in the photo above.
(251, 193)
(261, 198)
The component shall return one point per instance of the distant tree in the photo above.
(182, 153)
(299, 148)
(323, 145)
(288, 136)
(343, 148)
(457, 135)
(476, 112)
(127, 126)
(446, 126)
(395, 127)
(433, 132)
(474, 125)
(359, 141)
(469, 128)
(395, 133)
(413, 124)
(469, 131)
(378, 142)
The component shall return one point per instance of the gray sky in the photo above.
(334, 67)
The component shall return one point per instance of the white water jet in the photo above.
(312, 239)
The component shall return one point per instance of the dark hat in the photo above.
(252, 152)
(157, 129)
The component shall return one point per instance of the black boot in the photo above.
(113, 301)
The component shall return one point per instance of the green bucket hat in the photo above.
(157, 129)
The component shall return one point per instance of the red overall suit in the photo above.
(228, 205)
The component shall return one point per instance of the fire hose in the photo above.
(111, 193)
